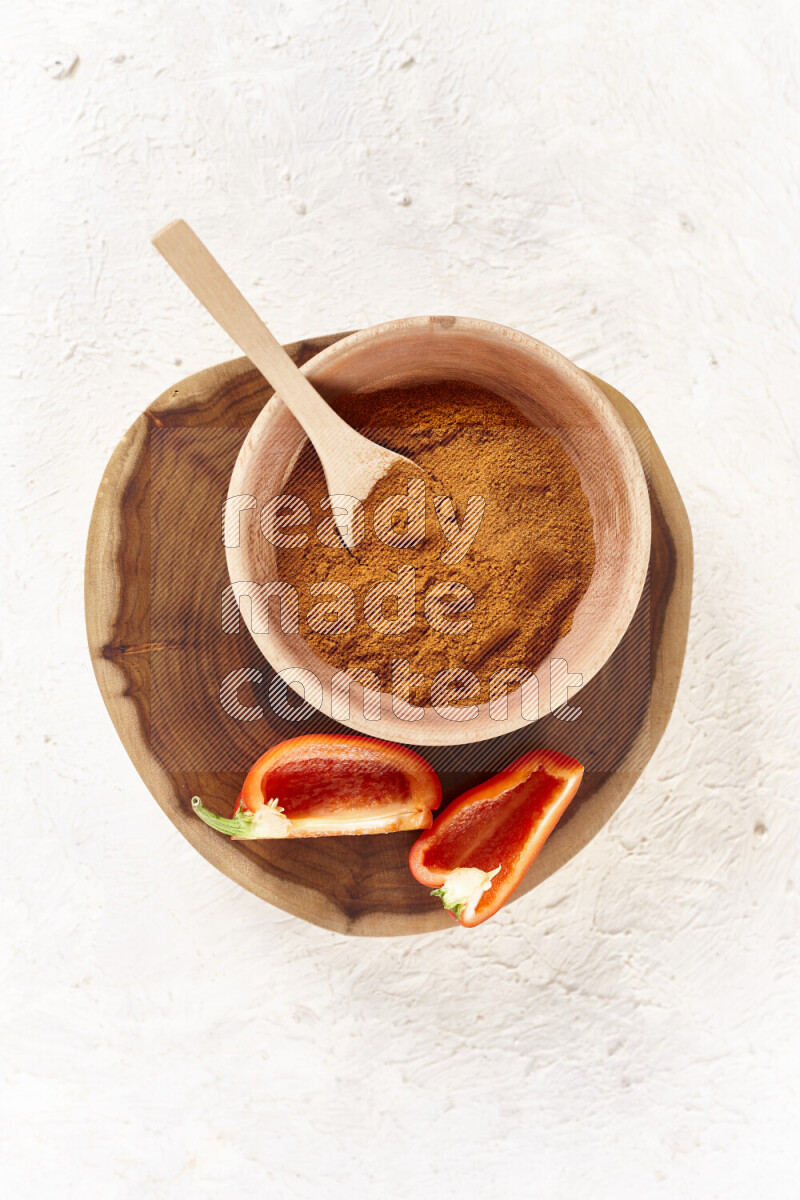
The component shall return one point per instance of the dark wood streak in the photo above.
(141, 648)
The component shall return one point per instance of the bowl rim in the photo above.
(440, 731)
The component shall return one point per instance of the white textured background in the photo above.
(620, 179)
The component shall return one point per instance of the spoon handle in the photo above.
(205, 278)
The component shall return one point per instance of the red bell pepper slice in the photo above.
(325, 784)
(476, 853)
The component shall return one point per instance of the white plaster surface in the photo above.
(618, 178)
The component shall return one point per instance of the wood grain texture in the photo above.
(155, 575)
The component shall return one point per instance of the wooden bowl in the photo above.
(556, 396)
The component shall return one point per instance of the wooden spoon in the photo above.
(352, 463)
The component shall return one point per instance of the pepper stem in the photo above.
(268, 822)
(463, 888)
(238, 826)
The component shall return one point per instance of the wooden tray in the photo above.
(155, 574)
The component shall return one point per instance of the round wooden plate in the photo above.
(154, 581)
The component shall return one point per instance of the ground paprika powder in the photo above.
(494, 589)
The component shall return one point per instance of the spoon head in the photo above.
(350, 485)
